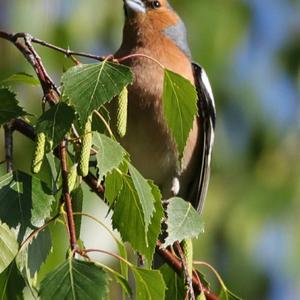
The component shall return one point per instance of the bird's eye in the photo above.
(156, 4)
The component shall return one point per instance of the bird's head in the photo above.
(157, 13)
(151, 18)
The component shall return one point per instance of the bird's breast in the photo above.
(148, 140)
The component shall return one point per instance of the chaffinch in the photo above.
(154, 29)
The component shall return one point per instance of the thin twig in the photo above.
(176, 265)
(66, 195)
(187, 276)
(38, 230)
(107, 253)
(8, 137)
(51, 93)
(67, 52)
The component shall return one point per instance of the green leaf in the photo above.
(89, 86)
(228, 295)
(110, 153)
(11, 284)
(56, 122)
(150, 284)
(38, 251)
(174, 282)
(21, 78)
(113, 186)
(9, 106)
(201, 296)
(145, 195)
(179, 106)
(77, 200)
(24, 201)
(128, 218)
(183, 221)
(155, 225)
(75, 280)
(8, 245)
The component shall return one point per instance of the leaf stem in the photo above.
(140, 55)
(104, 122)
(100, 223)
(38, 230)
(213, 270)
(107, 253)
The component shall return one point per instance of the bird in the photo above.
(154, 29)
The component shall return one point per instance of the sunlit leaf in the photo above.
(150, 284)
(56, 122)
(145, 195)
(88, 86)
(128, 218)
(75, 280)
(9, 106)
(183, 221)
(201, 296)
(21, 78)
(8, 245)
(109, 153)
(180, 107)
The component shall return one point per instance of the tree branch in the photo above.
(52, 94)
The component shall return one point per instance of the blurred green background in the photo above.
(251, 51)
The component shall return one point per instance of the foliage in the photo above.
(252, 203)
(29, 205)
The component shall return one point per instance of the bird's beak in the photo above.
(137, 6)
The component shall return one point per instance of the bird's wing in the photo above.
(206, 121)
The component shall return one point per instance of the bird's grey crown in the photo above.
(177, 33)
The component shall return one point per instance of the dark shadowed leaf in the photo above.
(88, 86)
(180, 107)
(24, 201)
(11, 284)
(150, 284)
(9, 106)
(110, 153)
(38, 251)
(8, 245)
(174, 282)
(75, 280)
(56, 122)
(77, 199)
(183, 221)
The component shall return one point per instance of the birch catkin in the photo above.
(39, 153)
(122, 112)
(83, 168)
